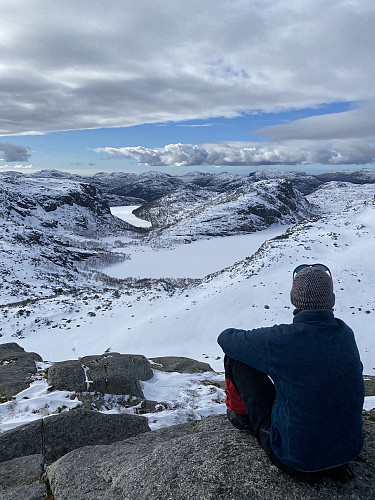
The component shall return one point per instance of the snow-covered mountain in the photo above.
(50, 226)
(304, 183)
(184, 216)
(121, 188)
(363, 176)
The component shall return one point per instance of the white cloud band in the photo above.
(252, 154)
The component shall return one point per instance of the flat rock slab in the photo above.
(16, 369)
(111, 373)
(200, 460)
(20, 478)
(21, 441)
(58, 434)
(180, 365)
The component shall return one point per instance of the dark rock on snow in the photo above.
(369, 385)
(67, 376)
(112, 373)
(16, 369)
(180, 364)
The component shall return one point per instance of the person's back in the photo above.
(316, 419)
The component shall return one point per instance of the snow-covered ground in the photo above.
(159, 321)
(193, 260)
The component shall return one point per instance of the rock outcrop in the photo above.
(84, 455)
(20, 478)
(16, 369)
(56, 435)
(199, 460)
(180, 364)
(111, 373)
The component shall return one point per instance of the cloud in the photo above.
(14, 152)
(356, 123)
(76, 65)
(172, 154)
(338, 152)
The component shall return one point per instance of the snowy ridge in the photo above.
(301, 181)
(122, 188)
(363, 176)
(185, 217)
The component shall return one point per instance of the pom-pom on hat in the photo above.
(312, 290)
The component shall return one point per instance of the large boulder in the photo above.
(207, 460)
(16, 369)
(180, 364)
(58, 434)
(67, 376)
(20, 478)
(111, 373)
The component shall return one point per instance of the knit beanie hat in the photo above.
(312, 289)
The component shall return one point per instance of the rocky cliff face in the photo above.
(43, 204)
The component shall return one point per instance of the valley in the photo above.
(132, 293)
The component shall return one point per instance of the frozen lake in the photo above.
(194, 260)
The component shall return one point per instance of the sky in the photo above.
(235, 85)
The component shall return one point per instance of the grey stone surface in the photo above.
(74, 429)
(20, 478)
(369, 385)
(20, 441)
(205, 460)
(116, 373)
(111, 373)
(180, 364)
(58, 434)
(16, 369)
(67, 376)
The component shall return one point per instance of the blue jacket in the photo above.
(315, 366)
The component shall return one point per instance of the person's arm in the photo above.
(249, 346)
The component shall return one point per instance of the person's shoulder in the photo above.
(343, 325)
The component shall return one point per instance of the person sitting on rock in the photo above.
(298, 388)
